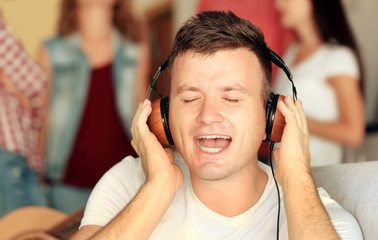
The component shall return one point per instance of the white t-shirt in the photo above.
(188, 218)
(319, 98)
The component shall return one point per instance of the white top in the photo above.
(188, 218)
(319, 98)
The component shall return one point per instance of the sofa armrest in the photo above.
(355, 187)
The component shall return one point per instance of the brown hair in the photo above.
(123, 20)
(210, 31)
(333, 25)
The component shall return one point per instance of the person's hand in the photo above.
(7, 84)
(158, 163)
(293, 155)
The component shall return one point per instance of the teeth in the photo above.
(213, 137)
(207, 149)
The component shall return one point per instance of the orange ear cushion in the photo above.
(155, 123)
(278, 124)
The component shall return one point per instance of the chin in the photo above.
(211, 169)
(211, 172)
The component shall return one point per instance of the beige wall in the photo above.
(35, 20)
(142, 6)
(31, 20)
(364, 19)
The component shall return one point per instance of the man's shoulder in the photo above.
(129, 163)
(127, 171)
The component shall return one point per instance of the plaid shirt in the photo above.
(20, 123)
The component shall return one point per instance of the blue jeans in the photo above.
(66, 198)
(19, 185)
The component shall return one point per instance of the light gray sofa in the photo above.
(355, 187)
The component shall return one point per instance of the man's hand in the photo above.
(163, 178)
(293, 156)
(158, 163)
(306, 215)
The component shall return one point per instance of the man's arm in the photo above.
(138, 219)
(163, 178)
(306, 215)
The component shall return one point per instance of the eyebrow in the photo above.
(236, 87)
(185, 88)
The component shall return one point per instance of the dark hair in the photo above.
(123, 20)
(333, 26)
(210, 31)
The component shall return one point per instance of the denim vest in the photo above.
(69, 90)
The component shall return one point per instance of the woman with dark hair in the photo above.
(98, 66)
(327, 71)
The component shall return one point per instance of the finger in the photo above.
(139, 128)
(141, 108)
(286, 112)
(145, 111)
(141, 115)
(136, 116)
(303, 117)
(292, 106)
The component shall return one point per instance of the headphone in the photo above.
(158, 121)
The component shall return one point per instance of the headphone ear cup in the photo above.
(278, 124)
(158, 121)
(275, 121)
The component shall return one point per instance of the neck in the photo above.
(308, 35)
(95, 21)
(309, 41)
(235, 194)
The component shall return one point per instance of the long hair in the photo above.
(123, 20)
(333, 26)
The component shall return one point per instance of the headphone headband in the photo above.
(156, 76)
(273, 57)
(277, 60)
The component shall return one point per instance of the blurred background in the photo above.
(33, 21)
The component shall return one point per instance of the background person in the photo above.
(327, 70)
(98, 66)
(22, 85)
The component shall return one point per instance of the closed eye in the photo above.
(190, 100)
(232, 100)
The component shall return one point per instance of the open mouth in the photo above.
(213, 143)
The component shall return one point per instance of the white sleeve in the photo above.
(342, 61)
(344, 222)
(113, 192)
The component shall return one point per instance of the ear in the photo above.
(264, 136)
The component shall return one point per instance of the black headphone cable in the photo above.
(278, 190)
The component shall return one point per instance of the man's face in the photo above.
(217, 115)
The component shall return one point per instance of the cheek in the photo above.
(179, 123)
(259, 122)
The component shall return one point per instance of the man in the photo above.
(212, 186)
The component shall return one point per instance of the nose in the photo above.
(209, 112)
